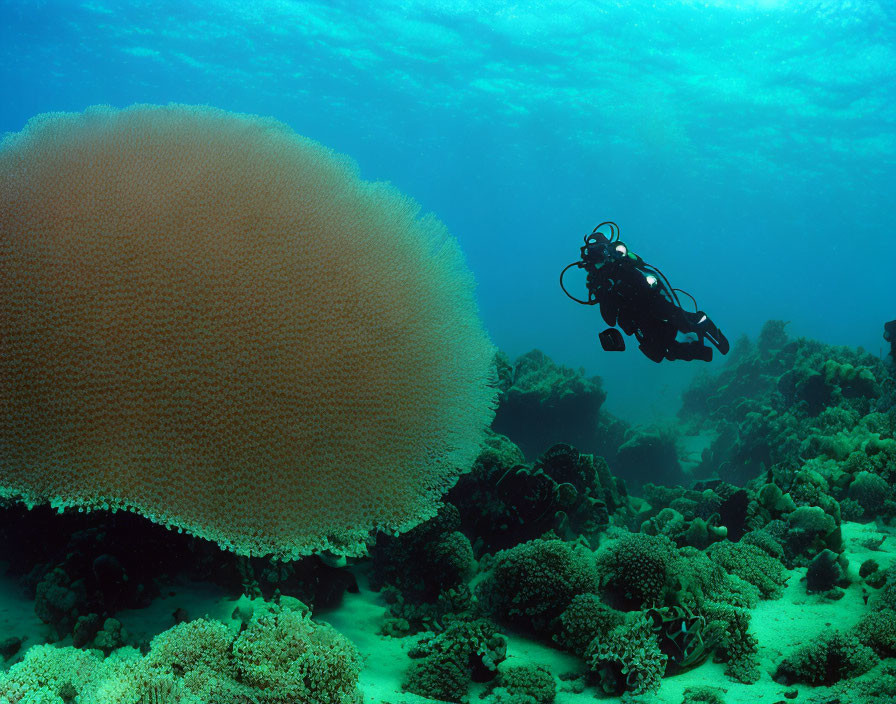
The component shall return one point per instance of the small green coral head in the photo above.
(774, 500)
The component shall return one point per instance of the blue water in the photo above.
(748, 149)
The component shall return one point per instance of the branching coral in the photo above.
(629, 658)
(752, 564)
(877, 630)
(635, 571)
(529, 684)
(533, 583)
(727, 630)
(585, 619)
(828, 659)
(468, 650)
(282, 656)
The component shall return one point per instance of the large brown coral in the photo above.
(212, 321)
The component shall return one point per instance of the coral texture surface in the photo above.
(214, 322)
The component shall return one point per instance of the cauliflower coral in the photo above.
(281, 657)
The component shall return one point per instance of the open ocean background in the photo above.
(747, 149)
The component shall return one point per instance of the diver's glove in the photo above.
(704, 327)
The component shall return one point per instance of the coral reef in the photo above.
(468, 650)
(514, 685)
(634, 588)
(635, 571)
(785, 401)
(504, 501)
(751, 564)
(532, 583)
(585, 619)
(542, 403)
(629, 658)
(81, 568)
(649, 456)
(829, 659)
(427, 560)
(281, 656)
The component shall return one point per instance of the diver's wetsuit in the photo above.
(638, 298)
(627, 299)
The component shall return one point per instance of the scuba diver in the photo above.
(639, 299)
